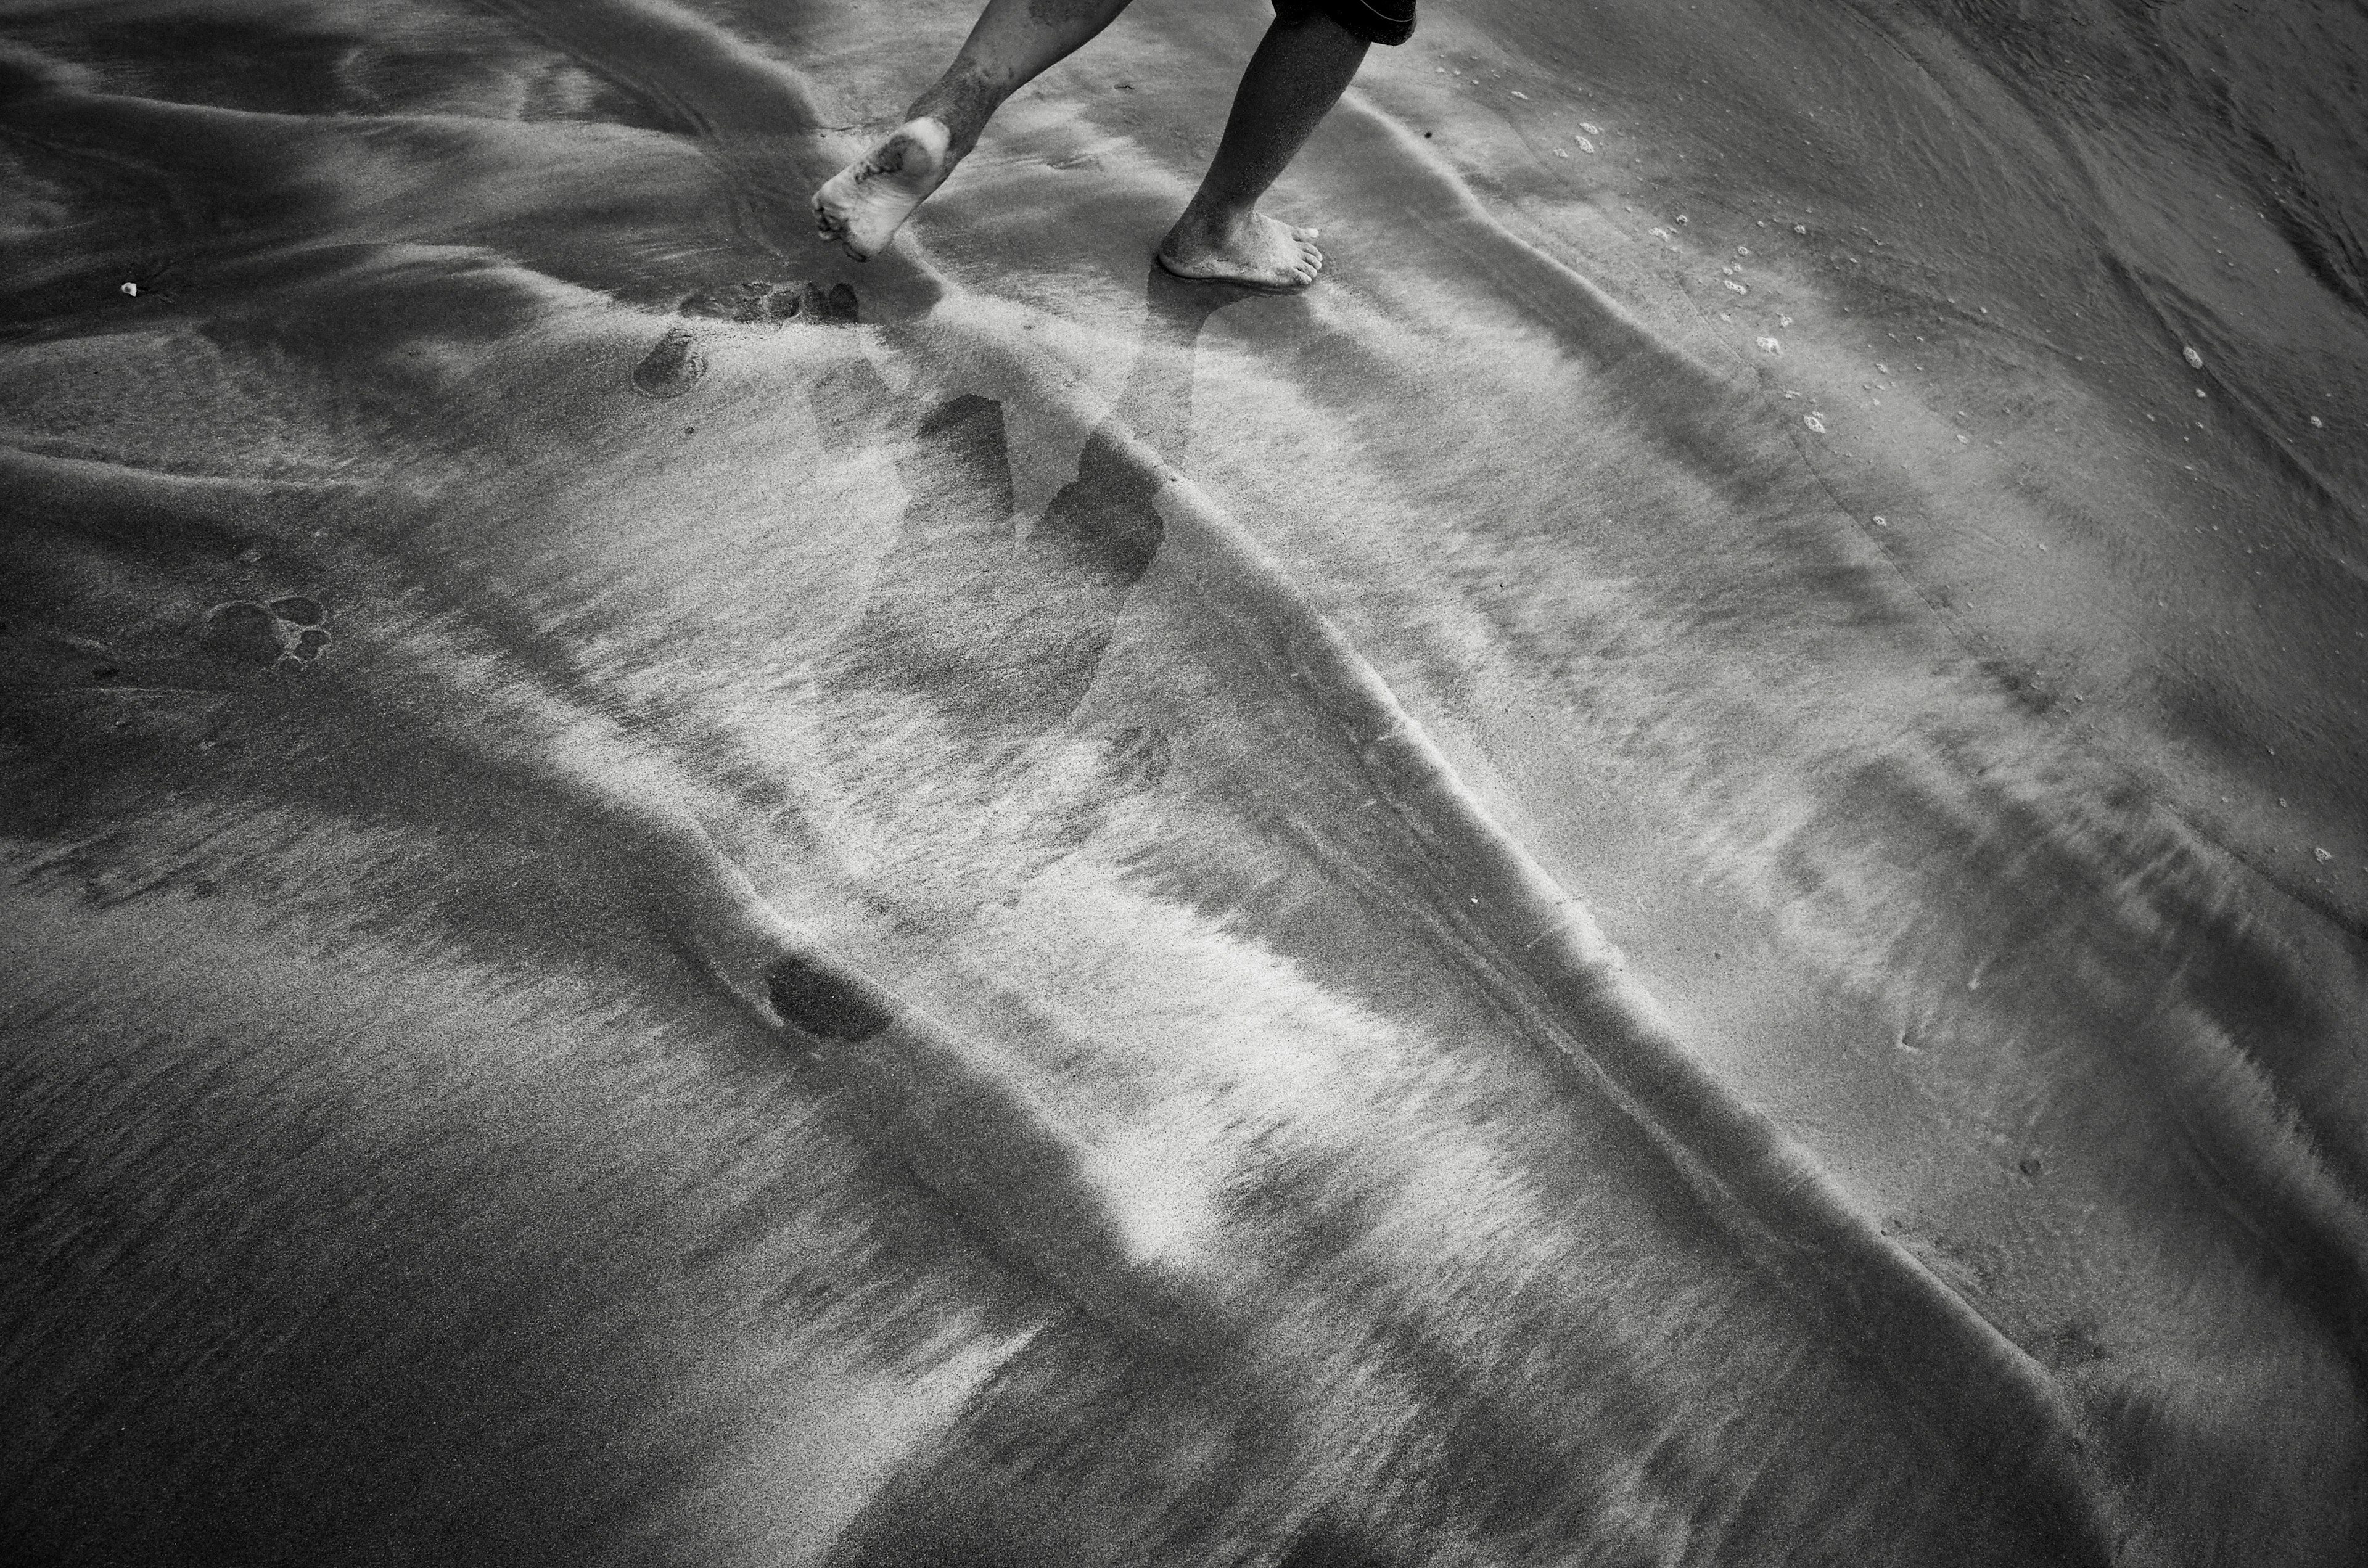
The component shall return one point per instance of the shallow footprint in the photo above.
(825, 1003)
(760, 303)
(672, 367)
(242, 628)
(833, 307)
(288, 630)
(753, 304)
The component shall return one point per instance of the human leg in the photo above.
(1012, 43)
(1298, 74)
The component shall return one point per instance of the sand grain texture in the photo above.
(672, 900)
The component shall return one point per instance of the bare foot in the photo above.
(863, 205)
(1253, 250)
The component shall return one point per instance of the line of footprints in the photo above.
(674, 364)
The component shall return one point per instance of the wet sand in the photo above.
(1677, 874)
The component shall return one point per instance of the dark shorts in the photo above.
(1375, 21)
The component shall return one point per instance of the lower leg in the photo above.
(1298, 74)
(1013, 42)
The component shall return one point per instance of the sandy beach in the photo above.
(1677, 873)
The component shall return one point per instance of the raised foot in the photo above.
(1256, 252)
(863, 205)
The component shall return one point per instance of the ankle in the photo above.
(963, 102)
(928, 145)
(1212, 223)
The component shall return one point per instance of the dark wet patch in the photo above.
(810, 997)
(672, 367)
(297, 609)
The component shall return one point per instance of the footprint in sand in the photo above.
(828, 1006)
(672, 367)
(674, 364)
(761, 302)
(755, 302)
(834, 307)
(288, 631)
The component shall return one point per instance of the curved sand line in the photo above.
(1533, 937)
(1784, 1189)
(979, 1127)
(1002, 1165)
(2317, 1222)
(1002, 1168)
(753, 116)
(2252, 1163)
(706, 79)
(2264, 1177)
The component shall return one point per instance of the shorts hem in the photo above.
(1389, 25)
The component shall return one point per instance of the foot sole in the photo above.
(1250, 284)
